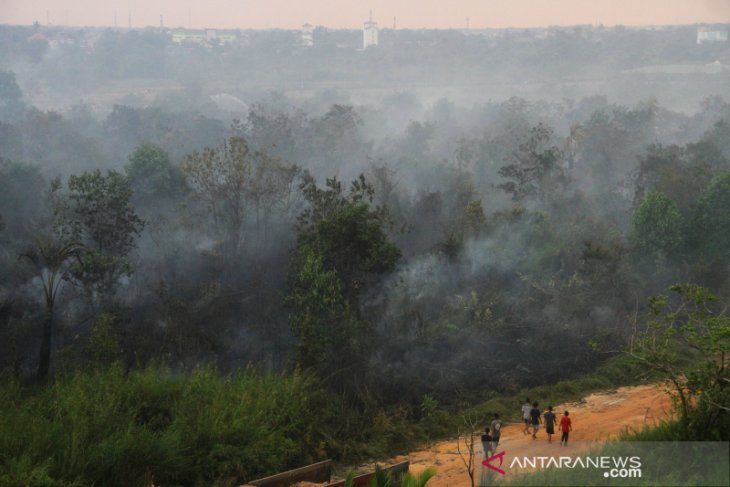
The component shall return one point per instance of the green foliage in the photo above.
(381, 478)
(319, 316)
(535, 169)
(687, 343)
(101, 216)
(151, 174)
(105, 428)
(342, 249)
(657, 226)
(709, 230)
(236, 185)
(419, 480)
(103, 346)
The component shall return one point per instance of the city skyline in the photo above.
(289, 14)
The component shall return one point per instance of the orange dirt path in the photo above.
(598, 417)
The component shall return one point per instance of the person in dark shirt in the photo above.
(535, 420)
(566, 426)
(487, 443)
(550, 422)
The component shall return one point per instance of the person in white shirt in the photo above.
(526, 408)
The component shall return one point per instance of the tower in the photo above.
(370, 33)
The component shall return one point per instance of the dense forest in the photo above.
(347, 260)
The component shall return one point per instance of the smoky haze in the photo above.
(510, 165)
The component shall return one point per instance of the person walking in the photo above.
(566, 426)
(496, 427)
(487, 443)
(550, 423)
(535, 420)
(526, 415)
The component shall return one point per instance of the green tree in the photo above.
(536, 168)
(152, 175)
(709, 230)
(100, 215)
(682, 173)
(348, 232)
(657, 226)
(342, 250)
(686, 341)
(52, 260)
(320, 316)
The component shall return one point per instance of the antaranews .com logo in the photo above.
(655, 464)
(611, 466)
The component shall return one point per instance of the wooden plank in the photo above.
(396, 471)
(318, 472)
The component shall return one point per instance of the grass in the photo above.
(109, 428)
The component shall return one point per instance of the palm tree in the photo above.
(51, 260)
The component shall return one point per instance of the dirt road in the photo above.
(597, 417)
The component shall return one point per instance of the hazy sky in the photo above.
(351, 13)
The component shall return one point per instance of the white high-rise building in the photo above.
(370, 33)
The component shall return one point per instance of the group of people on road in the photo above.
(532, 418)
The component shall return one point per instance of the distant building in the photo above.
(203, 37)
(370, 33)
(706, 35)
(194, 36)
(307, 35)
(61, 39)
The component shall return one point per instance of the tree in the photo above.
(687, 343)
(152, 175)
(679, 172)
(466, 437)
(710, 225)
(11, 97)
(52, 260)
(320, 317)
(100, 215)
(348, 233)
(536, 169)
(657, 226)
(342, 249)
(231, 179)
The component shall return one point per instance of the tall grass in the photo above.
(112, 429)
